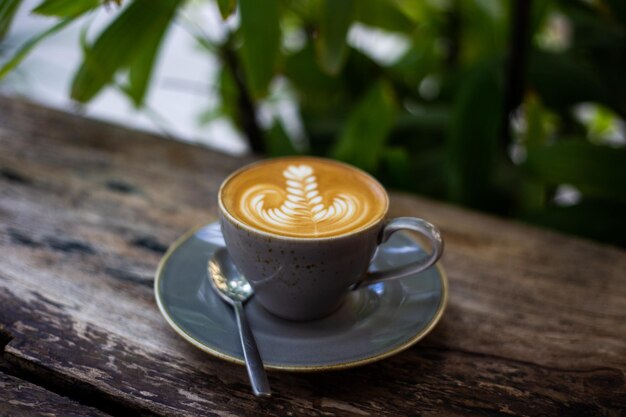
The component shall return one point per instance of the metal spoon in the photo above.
(235, 290)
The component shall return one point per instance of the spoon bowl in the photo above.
(226, 280)
(234, 289)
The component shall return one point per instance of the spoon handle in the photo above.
(254, 364)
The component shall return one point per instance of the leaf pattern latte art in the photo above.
(301, 205)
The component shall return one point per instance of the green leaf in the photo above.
(65, 8)
(21, 53)
(129, 41)
(383, 15)
(141, 71)
(209, 115)
(424, 118)
(206, 44)
(8, 8)
(562, 81)
(358, 75)
(539, 122)
(420, 60)
(229, 95)
(367, 128)
(142, 66)
(420, 11)
(538, 12)
(396, 167)
(482, 29)
(533, 193)
(598, 170)
(473, 137)
(331, 45)
(277, 141)
(597, 54)
(307, 77)
(260, 28)
(594, 219)
(227, 7)
(618, 10)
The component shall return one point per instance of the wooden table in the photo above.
(536, 322)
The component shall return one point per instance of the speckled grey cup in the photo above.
(308, 278)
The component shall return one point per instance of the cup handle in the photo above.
(406, 223)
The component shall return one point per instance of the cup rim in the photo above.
(375, 222)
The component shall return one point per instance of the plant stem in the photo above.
(246, 110)
(453, 27)
(516, 63)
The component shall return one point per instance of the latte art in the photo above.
(305, 197)
(303, 207)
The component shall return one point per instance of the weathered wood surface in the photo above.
(536, 323)
(21, 398)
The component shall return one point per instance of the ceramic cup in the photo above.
(300, 278)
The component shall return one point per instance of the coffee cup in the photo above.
(304, 230)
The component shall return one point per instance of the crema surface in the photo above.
(304, 197)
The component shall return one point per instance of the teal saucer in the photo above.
(373, 323)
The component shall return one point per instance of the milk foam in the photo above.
(291, 199)
(302, 208)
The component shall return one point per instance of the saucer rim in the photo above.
(443, 302)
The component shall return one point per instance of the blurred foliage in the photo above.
(433, 120)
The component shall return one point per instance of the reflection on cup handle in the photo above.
(406, 223)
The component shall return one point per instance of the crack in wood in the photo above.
(527, 363)
(21, 239)
(14, 176)
(69, 246)
(129, 276)
(20, 398)
(121, 187)
(54, 243)
(57, 385)
(5, 337)
(149, 243)
(60, 384)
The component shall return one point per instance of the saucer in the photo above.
(373, 323)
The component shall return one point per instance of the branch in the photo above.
(246, 110)
(516, 63)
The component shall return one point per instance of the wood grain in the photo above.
(20, 398)
(536, 322)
